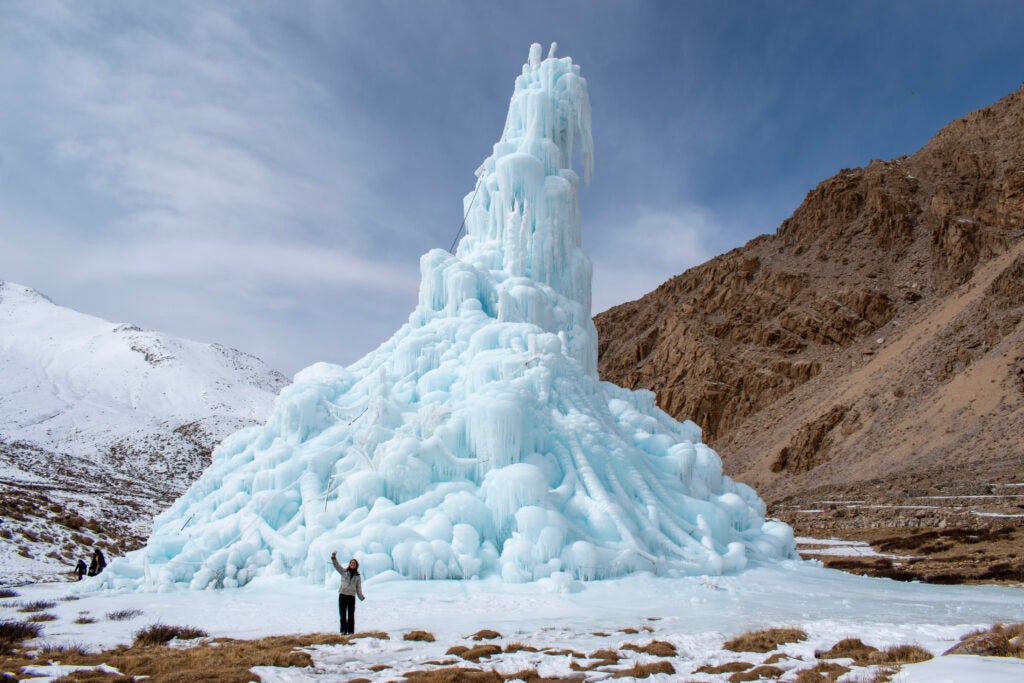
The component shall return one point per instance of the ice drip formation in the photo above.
(478, 441)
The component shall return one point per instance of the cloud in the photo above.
(172, 151)
(636, 256)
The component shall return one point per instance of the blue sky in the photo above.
(266, 175)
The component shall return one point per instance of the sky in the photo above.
(266, 175)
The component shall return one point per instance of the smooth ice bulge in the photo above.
(478, 440)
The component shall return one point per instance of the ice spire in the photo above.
(478, 440)
(523, 239)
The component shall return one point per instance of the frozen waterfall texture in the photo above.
(477, 441)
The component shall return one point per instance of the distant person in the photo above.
(80, 568)
(351, 586)
(98, 562)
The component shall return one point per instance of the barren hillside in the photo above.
(871, 351)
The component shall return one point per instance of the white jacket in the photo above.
(351, 584)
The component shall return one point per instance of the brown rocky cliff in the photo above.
(815, 355)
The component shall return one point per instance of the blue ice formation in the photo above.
(478, 440)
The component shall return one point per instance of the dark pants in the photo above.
(347, 610)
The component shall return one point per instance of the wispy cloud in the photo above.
(195, 155)
(632, 258)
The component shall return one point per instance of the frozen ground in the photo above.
(695, 614)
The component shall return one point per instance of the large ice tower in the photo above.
(478, 440)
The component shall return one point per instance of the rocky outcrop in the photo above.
(877, 331)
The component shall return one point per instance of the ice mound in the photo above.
(478, 440)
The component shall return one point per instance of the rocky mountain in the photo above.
(102, 425)
(868, 353)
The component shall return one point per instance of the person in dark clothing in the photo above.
(80, 569)
(350, 588)
(98, 562)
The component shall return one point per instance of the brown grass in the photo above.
(453, 674)
(85, 619)
(36, 606)
(777, 657)
(756, 674)
(43, 616)
(905, 654)
(645, 670)
(852, 648)
(15, 632)
(379, 635)
(607, 655)
(727, 668)
(478, 652)
(8, 593)
(601, 634)
(764, 640)
(123, 614)
(823, 672)
(225, 661)
(520, 647)
(658, 648)
(421, 636)
(629, 630)
(485, 634)
(161, 634)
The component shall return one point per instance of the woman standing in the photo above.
(351, 587)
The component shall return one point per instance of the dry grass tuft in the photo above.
(457, 650)
(646, 670)
(123, 614)
(823, 672)
(520, 647)
(1011, 631)
(905, 654)
(379, 667)
(772, 672)
(478, 652)
(606, 655)
(421, 636)
(485, 634)
(564, 653)
(727, 668)
(379, 635)
(852, 648)
(8, 593)
(43, 616)
(51, 651)
(226, 661)
(85, 619)
(658, 648)
(603, 657)
(764, 640)
(453, 674)
(15, 632)
(37, 606)
(778, 657)
(161, 634)
(629, 630)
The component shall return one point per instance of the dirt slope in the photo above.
(869, 352)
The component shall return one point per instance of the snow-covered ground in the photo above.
(695, 614)
(103, 424)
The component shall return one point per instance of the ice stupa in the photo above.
(478, 441)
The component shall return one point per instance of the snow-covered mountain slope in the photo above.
(107, 423)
